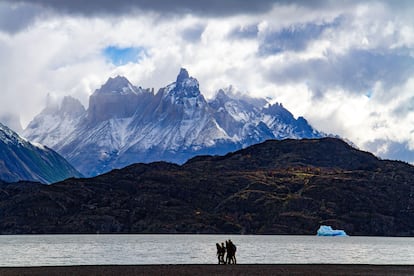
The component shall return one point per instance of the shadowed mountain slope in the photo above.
(22, 160)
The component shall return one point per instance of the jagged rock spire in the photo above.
(183, 75)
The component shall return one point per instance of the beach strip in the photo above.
(195, 269)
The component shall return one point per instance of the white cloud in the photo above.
(347, 67)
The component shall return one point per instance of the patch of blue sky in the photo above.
(123, 55)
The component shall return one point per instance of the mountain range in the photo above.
(22, 160)
(275, 187)
(125, 124)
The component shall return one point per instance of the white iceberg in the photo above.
(325, 230)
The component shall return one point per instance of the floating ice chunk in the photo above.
(325, 230)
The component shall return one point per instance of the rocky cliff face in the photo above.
(125, 124)
(22, 160)
(276, 187)
(116, 99)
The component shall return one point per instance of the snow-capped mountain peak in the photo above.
(9, 137)
(221, 96)
(184, 87)
(117, 98)
(182, 76)
(118, 85)
(55, 123)
(72, 107)
(177, 123)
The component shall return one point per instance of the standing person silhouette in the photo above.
(221, 250)
(231, 252)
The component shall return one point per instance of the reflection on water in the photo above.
(39, 250)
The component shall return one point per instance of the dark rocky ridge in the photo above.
(277, 187)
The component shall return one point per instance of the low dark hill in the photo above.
(277, 187)
(275, 154)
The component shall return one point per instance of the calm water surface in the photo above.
(40, 250)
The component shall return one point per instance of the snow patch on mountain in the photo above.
(55, 122)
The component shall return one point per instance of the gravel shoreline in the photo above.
(250, 269)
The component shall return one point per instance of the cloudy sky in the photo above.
(346, 66)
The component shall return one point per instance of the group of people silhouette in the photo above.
(228, 248)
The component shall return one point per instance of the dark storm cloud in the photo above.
(211, 7)
(293, 38)
(395, 150)
(17, 18)
(404, 109)
(193, 34)
(400, 5)
(244, 32)
(16, 15)
(356, 71)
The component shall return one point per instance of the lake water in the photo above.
(42, 250)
